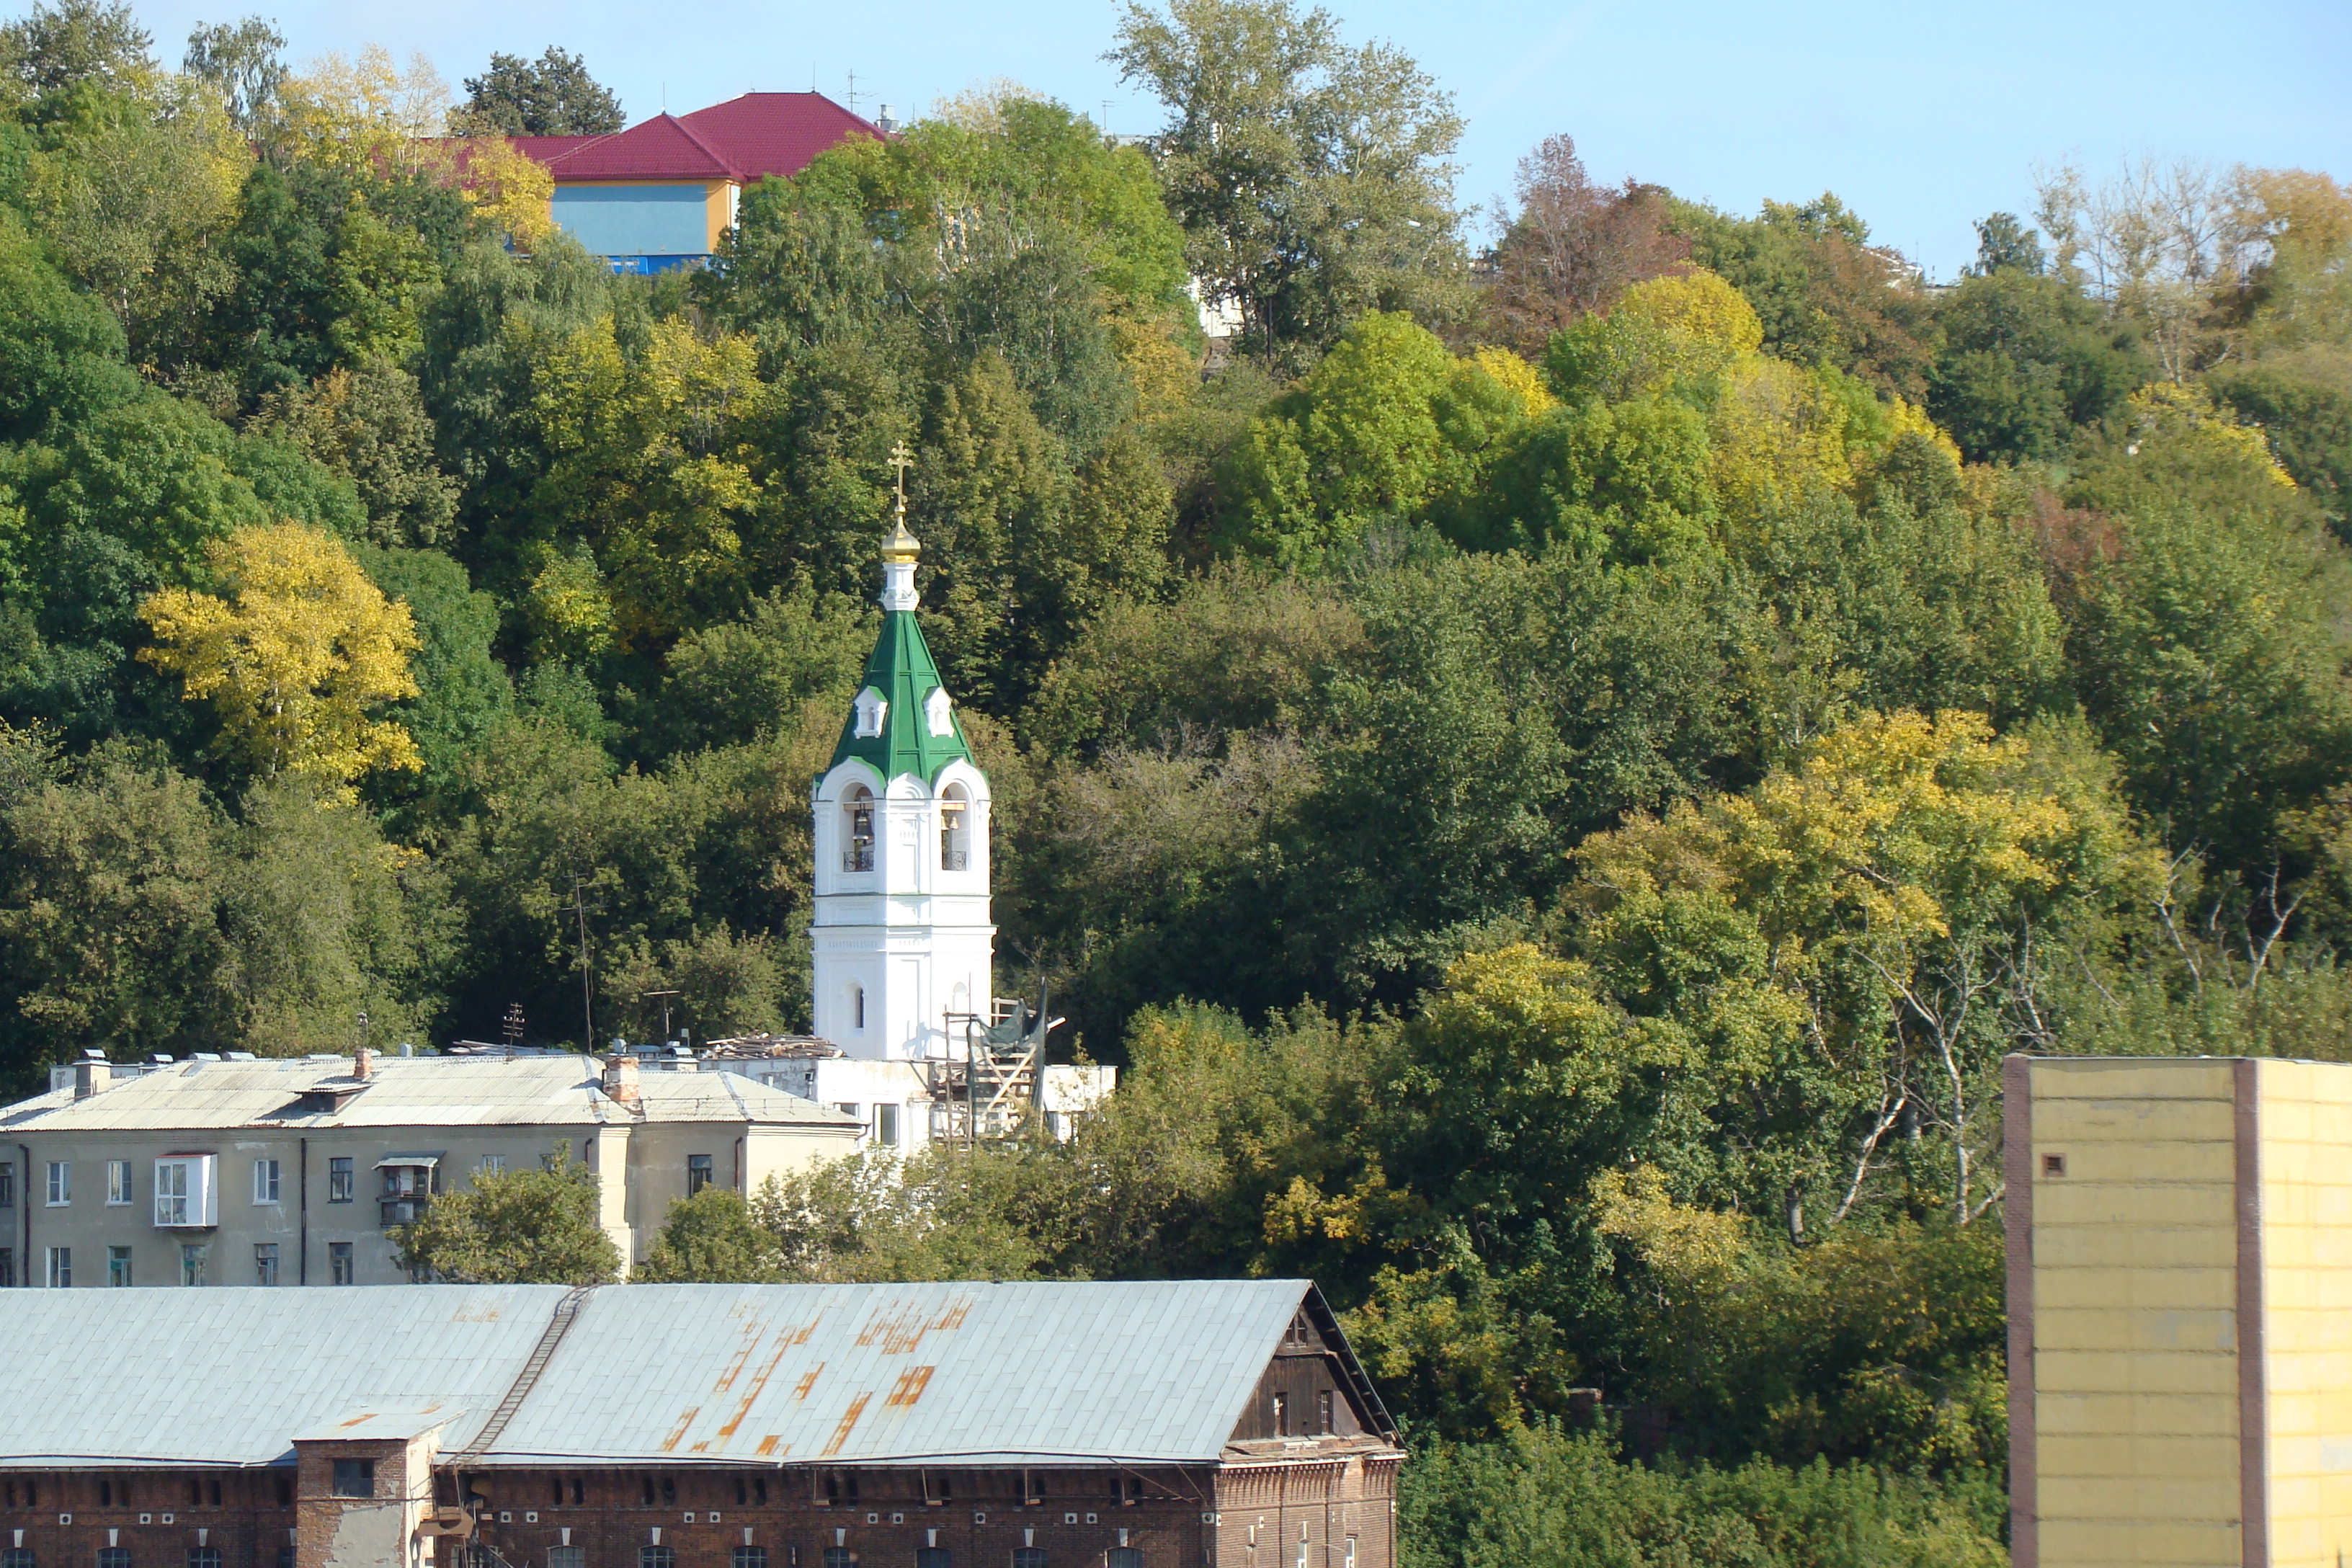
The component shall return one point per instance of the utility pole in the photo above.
(580, 909)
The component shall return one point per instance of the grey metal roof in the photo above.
(410, 1091)
(732, 1375)
(160, 1376)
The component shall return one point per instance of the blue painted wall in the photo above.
(634, 220)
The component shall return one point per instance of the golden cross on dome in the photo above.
(901, 460)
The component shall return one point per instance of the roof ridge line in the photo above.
(709, 152)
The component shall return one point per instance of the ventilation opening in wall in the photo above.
(2053, 1164)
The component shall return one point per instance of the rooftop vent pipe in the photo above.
(621, 1082)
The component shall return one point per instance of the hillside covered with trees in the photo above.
(1558, 769)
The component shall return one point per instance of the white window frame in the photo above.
(187, 1194)
(268, 1182)
(60, 1184)
(490, 1166)
(118, 1183)
(60, 1267)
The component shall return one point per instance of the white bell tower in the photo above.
(904, 948)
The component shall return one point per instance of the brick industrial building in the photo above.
(1164, 1425)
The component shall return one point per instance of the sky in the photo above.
(1921, 118)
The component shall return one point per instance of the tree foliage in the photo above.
(514, 1228)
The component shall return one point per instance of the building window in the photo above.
(1348, 1559)
(17, 1557)
(751, 1557)
(955, 831)
(886, 1125)
(204, 1557)
(567, 1557)
(183, 1193)
(355, 1478)
(339, 1262)
(1028, 1557)
(1282, 1414)
(340, 1183)
(265, 1263)
(7, 1185)
(657, 1557)
(1323, 1411)
(118, 1266)
(118, 1181)
(490, 1166)
(265, 1181)
(1302, 1546)
(698, 1174)
(840, 1557)
(8, 1269)
(114, 1557)
(857, 848)
(931, 1557)
(61, 1182)
(60, 1267)
(857, 1008)
(1126, 1557)
(192, 1262)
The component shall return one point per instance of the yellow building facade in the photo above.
(2180, 1311)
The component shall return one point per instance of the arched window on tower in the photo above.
(857, 1008)
(955, 830)
(857, 839)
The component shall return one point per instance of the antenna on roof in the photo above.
(854, 94)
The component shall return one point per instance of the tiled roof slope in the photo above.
(757, 136)
(1156, 1371)
(409, 1091)
(775, 135)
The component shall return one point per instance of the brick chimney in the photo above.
(621, 1082)
(363, 1064)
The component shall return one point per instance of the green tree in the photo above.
(109, 922)
(244, 63)
(552, 95)
(514, 1228)
(711, 1238)
(1310, 177)
(2026, 360)
(54, 47)
(370, 427)
(1826, 296)
(1386, 423)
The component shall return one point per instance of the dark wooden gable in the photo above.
(1312, 1385)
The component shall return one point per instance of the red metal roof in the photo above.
(756, 136)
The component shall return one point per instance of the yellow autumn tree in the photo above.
(372, 118)
(292, 653)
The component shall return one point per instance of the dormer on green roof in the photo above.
(902, 720)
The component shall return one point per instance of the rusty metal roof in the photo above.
(1156, 1370)
(729, 1374)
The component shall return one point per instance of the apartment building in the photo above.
(262, 1173)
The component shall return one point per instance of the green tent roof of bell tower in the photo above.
(901, 671)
